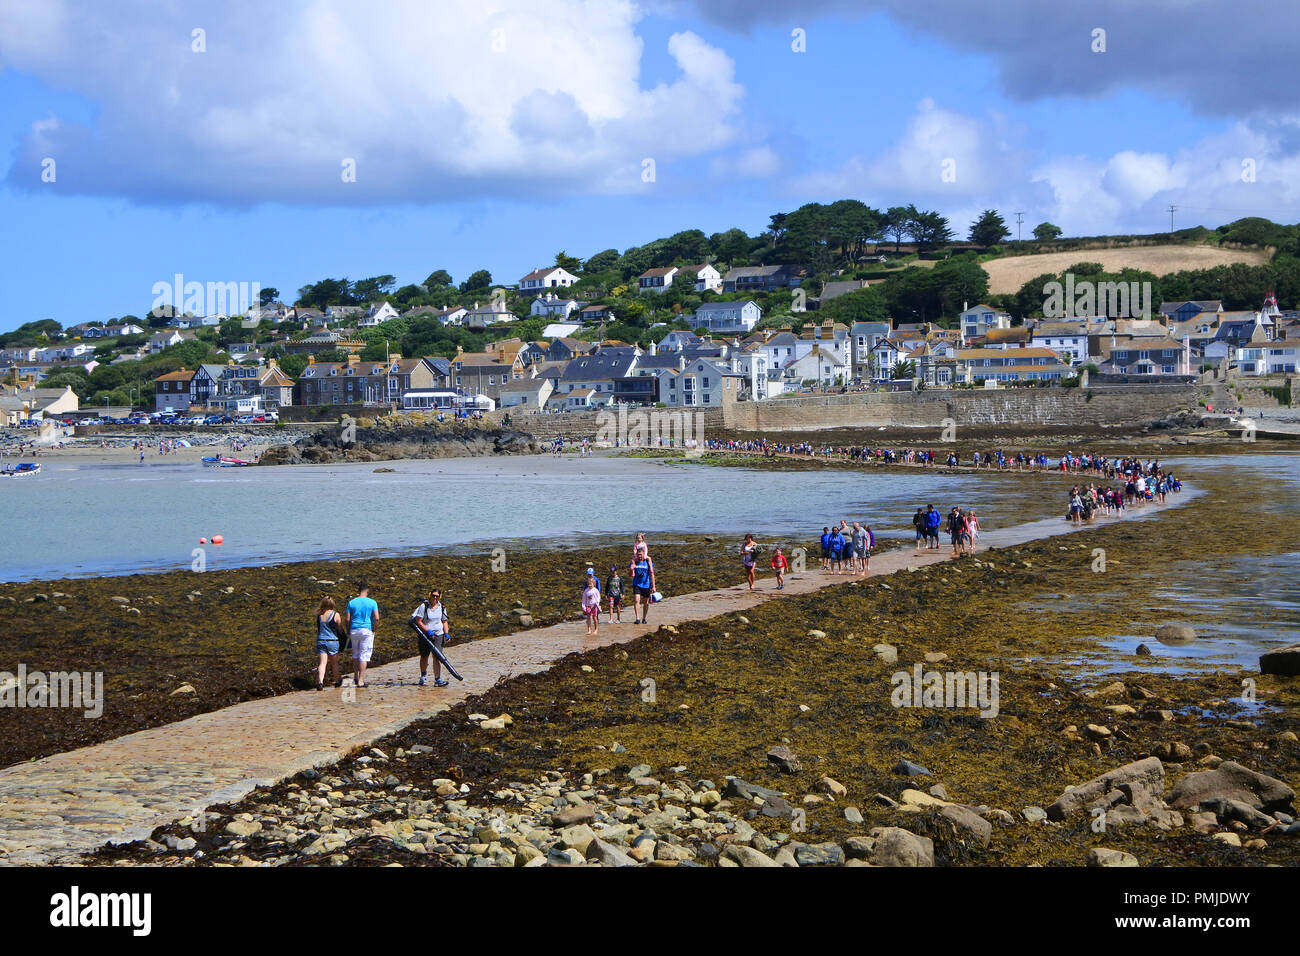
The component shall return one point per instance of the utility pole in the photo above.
(1172, 208)
(1020, 217)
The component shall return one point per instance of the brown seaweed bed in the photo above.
(728, 689)
(246, 633)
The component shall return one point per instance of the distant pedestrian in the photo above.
(329, 628)
(362, 616)
(779, 565)
(431, 620)
(614, 591)
(749, 558)
(591, 606)
(918, 522)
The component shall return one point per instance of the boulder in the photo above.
(1147, 774)
(1104, 856)
(608, 854)
(1231, 781)
(1284, 660)
(906, 768)
(820, 854)
(784, 759)
(967, 820)
(582, 813)
(1175, 633)
(895, 846)
(737, 854)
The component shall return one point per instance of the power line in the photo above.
(1172, 208)
(1020, 217)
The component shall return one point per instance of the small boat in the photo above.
(21, 470)
(222, 461)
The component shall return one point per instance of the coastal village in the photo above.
(290, 361)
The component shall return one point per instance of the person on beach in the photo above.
(922, 535)
(640, 547)
(642, 570)
(848, 551)
(328, 625)
(614, 590)
(826, 548)
(956, 526)
(972, 529)
(431, 617)
(1076, 506)
(837, 551)
(749, 557)
(591, 606)
(779, 565)
(863, 542)
(932, 521)
(362, 616)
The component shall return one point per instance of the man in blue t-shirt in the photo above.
(932, 521)
(362, 616)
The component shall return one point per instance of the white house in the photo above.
(552, 306)
(820, 365)
(752, 364)
(656, 280)
(530, 393)
(728, 317)
(452, 315)
(376, 314)
(481, 316)
(552, 278)
(977, 320)
(1268, 358)
(1067, 339)
(864, 336)
(707, 278)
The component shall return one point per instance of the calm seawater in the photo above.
(76, 520)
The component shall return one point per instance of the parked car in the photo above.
(212, 420)
(244, 420)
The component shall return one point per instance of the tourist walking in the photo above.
(642, 571)
(432, 629)
(362, 616)
(614, 591)
(922, 536)
(329, 631)
(780, 564)
(932, 522)
(749, 557)
(860, 538)
(591, 606)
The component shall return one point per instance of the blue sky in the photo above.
(495, 133)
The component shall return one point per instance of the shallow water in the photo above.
(77, 520)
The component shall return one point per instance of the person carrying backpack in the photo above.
(430, 620)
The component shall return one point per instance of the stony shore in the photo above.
(400, 441)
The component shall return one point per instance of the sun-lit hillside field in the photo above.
(1009, 274)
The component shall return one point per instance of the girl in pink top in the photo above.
(591, 606)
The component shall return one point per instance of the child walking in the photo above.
(614, 590)
(591, 606)
(779, 565)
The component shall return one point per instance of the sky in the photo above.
(239, 141)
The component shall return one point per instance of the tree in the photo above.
(567, 262)
(989, 229)
(479, 281)
(438, 279)
(373, 289)
(929, 229)
(732, 246)
(1046, 232)
(861, 305)
(898, 223)
(904, 369)
(267, 296)
(601, 262)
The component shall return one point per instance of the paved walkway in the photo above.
(55, 808)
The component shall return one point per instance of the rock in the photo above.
(1232, 781)
(964, 818)
(784, 759)
(1175, 633)
(1120, 710)
(906, 768)
(1174, 752)
(1159, 716)
(816, 634)
(776, 807)
(819, 854)
(582, 813)
(886, 652)
(180, 844)
(852, 814)
(183, 691)
(859, 847)
(640, 770)
(608, 854)
(668, 851)
(496, 723)
(561, 856)
(736, 787)
(1148, 774)
(118, 599)
(243, 828)
(577, 837)
(737, 854)
(1104, 856)
(785, 857)
(1284, 660)
(1229, 838)
(1097, 732)
(1287, 737)
(895, 846)
(1142, 651)
(939, 790)
(915, 798)
(1034, 814)
(832, 787)
(1226, 810)
(935, 657)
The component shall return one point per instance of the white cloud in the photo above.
(452, 99)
